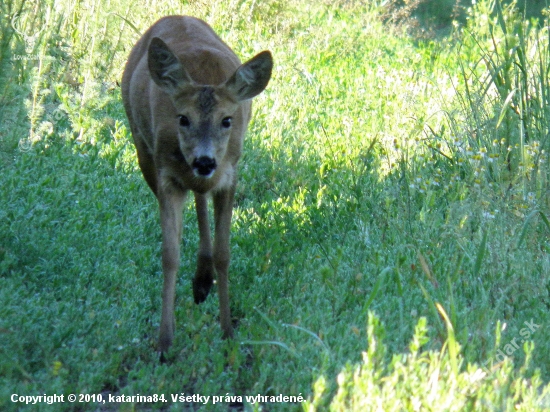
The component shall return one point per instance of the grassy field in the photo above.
(391, 237)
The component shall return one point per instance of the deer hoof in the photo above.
(201, 289)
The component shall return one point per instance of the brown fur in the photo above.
(180, 86)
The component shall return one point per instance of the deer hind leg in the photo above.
(223, 210)
(171, 208)
(204, 276)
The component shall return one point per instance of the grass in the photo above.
(390, 240)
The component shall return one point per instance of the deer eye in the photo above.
(226, 122)
(184, 121)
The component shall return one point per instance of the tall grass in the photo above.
(506, 94)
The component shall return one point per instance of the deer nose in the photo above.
(204, 165)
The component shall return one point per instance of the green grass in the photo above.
(390, 238)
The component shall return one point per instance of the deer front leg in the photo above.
(171, 208)
(204, 276)
(223, 209)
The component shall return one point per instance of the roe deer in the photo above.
(187, 98)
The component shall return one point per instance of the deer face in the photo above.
(205, 113)
(204, 123)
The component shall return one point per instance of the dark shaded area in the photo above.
(429, 18)
(532, 8)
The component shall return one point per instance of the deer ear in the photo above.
(165, 68)
(251, 78)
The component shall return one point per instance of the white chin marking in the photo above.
(208, 176)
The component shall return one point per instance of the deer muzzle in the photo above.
(204, 166)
